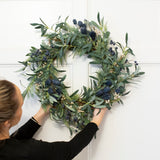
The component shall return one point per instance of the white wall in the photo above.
(128, 132)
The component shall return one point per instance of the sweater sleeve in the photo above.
(27, 130)
(81, 140)
(62, 150)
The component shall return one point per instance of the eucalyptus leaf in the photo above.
(126, 39)
(98, 18)
(52, 99)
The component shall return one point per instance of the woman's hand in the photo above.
(98, 118)
(41, 114)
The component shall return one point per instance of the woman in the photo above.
(21, 146)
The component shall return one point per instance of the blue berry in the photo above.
(108, 83)
(106, 96)
(74, 21)
(37, 52)
(99, 93)
(50, 91)
(112, 53)
(111, 42)
(58, 91)
(92, 35)
(75, 119)
(106, 89)
(80, 24)
(118, 90)
(44, 59)
(110, 49)
(83, 30)
(48, 82)
(126, 60)
(84, 25)
(47, 53)
(56, 82)
(135, 62)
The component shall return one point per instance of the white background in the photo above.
(128, 132)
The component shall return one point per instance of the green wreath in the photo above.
(83, 38)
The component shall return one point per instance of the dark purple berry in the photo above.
(99, 93)
(75, 119)
(74, 21)
(84, 25)
(112, 53)
(106, 89)
(37, 52)
(92, 35)
(44, 59)
(110, 49)
(56, 82)
(83, 30)
(48, 82)
(117, 90)
(108, 83)
(47, 53)
(126, 60)
(50, 91)
(111, 42)
(58, 91)
(80, 24)
(135, 62)
(106, 96)
(120, 89)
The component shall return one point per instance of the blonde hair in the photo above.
(8, 102)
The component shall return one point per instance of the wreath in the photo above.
(82, 38)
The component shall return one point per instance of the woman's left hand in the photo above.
(41, 114)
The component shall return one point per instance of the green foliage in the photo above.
(107, 87)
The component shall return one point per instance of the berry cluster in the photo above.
(54, 88)
(83, 29)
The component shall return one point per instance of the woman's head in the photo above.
(11, 102)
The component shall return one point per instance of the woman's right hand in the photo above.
(98, 118)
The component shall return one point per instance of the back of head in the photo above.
(8, 102)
